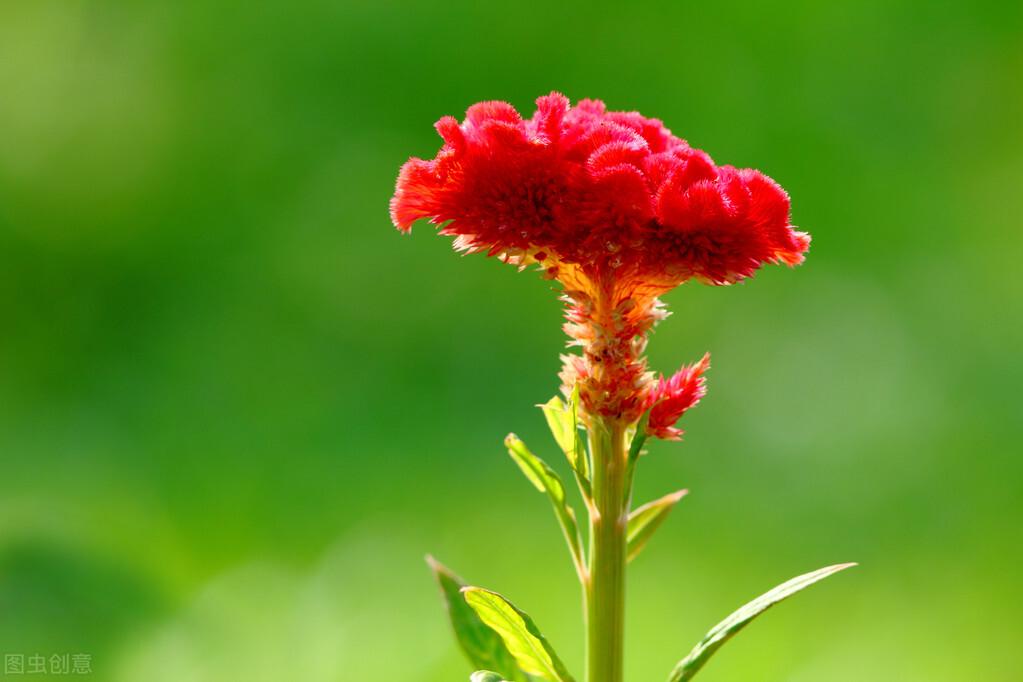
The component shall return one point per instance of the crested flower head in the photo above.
(670, 398)
(584, 188)
(613, 206)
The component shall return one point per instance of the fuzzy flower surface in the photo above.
(599, 190)
(670, 398)
(610, 204)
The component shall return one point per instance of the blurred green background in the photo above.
(237, 407)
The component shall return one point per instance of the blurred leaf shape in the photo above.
(58, 596)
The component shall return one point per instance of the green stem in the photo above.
(605, 588)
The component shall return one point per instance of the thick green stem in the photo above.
(605, 588)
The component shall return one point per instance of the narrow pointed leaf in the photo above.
(563, 420)
(583, 467)
(723, 631)
(486, 676)
(481, 645)
(546, 480)
(643, 521)
(531, 650)
(559, 419)
(639, 438)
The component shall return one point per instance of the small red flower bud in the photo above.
(670, 398)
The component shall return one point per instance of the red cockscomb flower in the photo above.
(670, 398)
(600, 190)
(619, 211)
(613, 206)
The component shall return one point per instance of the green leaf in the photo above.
(643, 521)
(486, 676)
(482, 646)
(523, 639)
(546, 480)
(639, 438)
(563, 421)
(559, 419)
(723, 631)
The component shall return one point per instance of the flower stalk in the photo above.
(605, 583)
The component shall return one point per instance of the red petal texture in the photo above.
(670, 398)
(603, 191)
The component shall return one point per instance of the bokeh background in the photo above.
(237, 408)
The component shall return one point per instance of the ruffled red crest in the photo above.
(603, 191)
